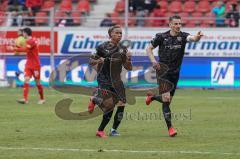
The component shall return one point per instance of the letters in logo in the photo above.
(75, 44)
(222, 73)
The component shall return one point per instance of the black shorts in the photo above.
(167, 82)
(116, 88)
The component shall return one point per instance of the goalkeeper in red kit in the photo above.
(32, 66)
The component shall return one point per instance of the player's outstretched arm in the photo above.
(17, 50)
(195, 38)
(21, 49)
(149, 51)
(94, 59)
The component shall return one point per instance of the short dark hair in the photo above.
(110, 30)
(28, 31)
(174, 17)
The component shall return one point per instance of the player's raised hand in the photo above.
(10, 48)
(199, 35)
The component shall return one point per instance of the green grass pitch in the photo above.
(208, 125)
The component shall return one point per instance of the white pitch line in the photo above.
(121, 151)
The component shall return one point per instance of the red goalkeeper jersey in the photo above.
(32, 52)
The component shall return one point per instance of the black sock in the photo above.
(167, 113)
(105, 120)
(118, 117)
(157, 98)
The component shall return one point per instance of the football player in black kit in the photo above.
(171, 51)
(110, 57)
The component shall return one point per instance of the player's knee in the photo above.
(120, 104)
(26, 79)
(166, 97)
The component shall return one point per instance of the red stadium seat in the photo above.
(161, 0)
(175, 7)
(197, 18)
(203, 6)
(233, 1)
(158, 13)
(4, 6)
(120, 6)
(47, 5)
(189, 6)
(131, 21)
(203, 25)
(83, 6)
(76, 18)
(169, 14)
(66, 5)
(150, 22)
(190, 24)
(163, 5)
(210, 19)
(57, 16)
(184, 17)
(115, 18)
(2, 17)
(41, 18)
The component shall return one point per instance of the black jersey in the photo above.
(115, 55)
(171, 49)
